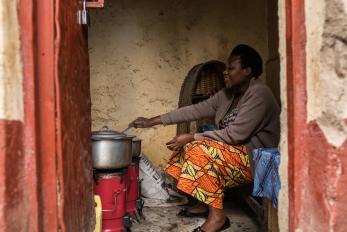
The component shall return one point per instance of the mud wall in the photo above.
(140, 52)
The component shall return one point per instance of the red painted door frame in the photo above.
(48, 158)
(296, 100)
(45, 27)
(37, 44)
(73, 107)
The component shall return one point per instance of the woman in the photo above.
(246, 116)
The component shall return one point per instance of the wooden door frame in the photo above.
(40, 46)
(36, 20)
(296, 102)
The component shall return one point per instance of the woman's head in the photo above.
(243, 63)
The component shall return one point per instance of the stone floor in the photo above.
(162, 219)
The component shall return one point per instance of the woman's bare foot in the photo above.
(215, 221)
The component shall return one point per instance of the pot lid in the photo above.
(106, 133)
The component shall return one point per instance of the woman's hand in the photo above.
(142, 122)
(179, 141)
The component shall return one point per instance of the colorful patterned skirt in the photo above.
(206, 167)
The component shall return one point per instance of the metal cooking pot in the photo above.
(111, 149)
(136, 147)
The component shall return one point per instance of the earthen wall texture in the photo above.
(141, 51)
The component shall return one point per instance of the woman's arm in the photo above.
(202, 110)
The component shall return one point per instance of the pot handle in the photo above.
(115, 198)
(116, 194)
(105, 128)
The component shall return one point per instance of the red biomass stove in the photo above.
(120, 195)
(111, 188)
(118, 188)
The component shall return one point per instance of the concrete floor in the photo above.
(162, 219)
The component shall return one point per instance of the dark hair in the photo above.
(249, 58)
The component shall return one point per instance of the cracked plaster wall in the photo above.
(140, 52)
(11, 90)
(326, 23)
(323, 176)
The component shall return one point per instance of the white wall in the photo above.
(11, 76)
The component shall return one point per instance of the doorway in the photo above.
(142, 49)
(63, 146)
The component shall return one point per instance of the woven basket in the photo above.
(200, 81)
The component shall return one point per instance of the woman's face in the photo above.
(234, 74)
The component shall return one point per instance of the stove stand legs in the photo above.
(139, 206)
(127, 222)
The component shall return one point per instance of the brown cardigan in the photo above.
(257, 124)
